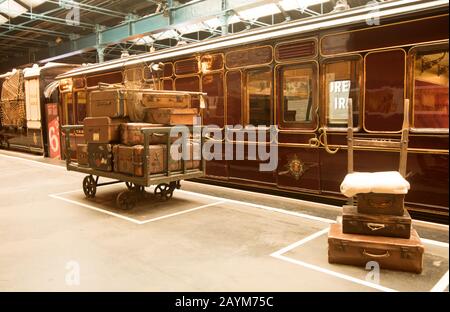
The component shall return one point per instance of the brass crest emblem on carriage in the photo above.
(296, 167)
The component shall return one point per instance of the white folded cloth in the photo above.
(389, 182)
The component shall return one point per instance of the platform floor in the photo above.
(207, 238)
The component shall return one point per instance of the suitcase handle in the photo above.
(376, 226)
(385, 255)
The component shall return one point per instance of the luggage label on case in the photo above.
(96, 136)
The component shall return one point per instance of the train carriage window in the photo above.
(297, 100)
(190, 83)
(109, 78)
(68, 109)
(212, 84)
(234, 97)
(80, 103)
(341, 84)
(259, 97)
(384, 90)
(430, 90)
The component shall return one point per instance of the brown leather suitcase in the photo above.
(380, 225)
(387, 204)
(116, 102)
(100, 156)
(130, 134)
(130, 159)
(102, 129)
(390, 253)
(171, 116)
(82, 155)
(166, 100)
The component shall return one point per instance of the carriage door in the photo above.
(298, 162)
(33, 113)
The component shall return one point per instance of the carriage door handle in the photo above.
(324, 142)
(375, 226)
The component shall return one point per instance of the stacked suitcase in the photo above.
(377, 229)
(114, 141)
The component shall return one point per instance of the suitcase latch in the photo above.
(376, 226)
(341, 246)
(404, 251)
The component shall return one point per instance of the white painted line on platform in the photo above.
(181, 212)
(278, 210)
(434, 242)
(442, 284)
(336, 274)
(96, 209)
(135, 221)
(427, 223)
(299, 243)
(34, 161)
(300, 201)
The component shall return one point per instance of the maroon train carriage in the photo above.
(299, 76)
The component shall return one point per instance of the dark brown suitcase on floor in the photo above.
(387, 204)
(130, 134)
(82, 155)
(379, 225)
(171, 116)
(130, 159)
(390, 253)
(102, 129)
(100, 156)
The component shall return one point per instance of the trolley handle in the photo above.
(67, 151)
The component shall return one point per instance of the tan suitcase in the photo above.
(390, 253)
(102, 129)
(167, 100)
(82, 155)
(375, 203)
(371, 224)
(131, 134)
(117, 103)
(171, 116)
(130, 160)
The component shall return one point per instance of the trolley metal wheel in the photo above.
(126, 200)
(89, 186)
(135, 187)
(164, 191)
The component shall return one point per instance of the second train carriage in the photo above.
(29, 118)
(299, 76)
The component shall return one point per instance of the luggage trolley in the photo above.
(166, 182)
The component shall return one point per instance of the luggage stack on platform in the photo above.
(114, 140)
(128, 139)
(378, 228)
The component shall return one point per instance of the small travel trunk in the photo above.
(131, 134)
(100, 156)
(390, 253)
(102, 129)
(82, 155)
(166, 100)
(117, 103)
(172, 116)
(370, 224)
(377, 203)
(130, 160)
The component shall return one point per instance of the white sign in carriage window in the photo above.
(339, 92)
